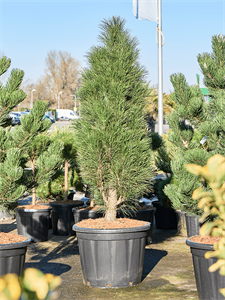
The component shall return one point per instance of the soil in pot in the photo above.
(11, 238)
(111, 253)
(205, 239)
(33, 221)
(13, 249)
(208, 283)
(101, 223)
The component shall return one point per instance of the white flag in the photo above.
(145, 10)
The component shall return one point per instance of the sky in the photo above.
(30, 29)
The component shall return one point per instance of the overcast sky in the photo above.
(30, 29)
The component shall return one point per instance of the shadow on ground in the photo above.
(40, 255)
(152, 257)
(161, 235)
(4, 227)
(56, 269)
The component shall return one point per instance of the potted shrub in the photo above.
(114, 157)
(43, 158)
(12, 247)
(197, 127)
(66, 177)
(210, 282)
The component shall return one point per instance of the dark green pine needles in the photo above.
(197, 127)
(24, 145)
(113, 147)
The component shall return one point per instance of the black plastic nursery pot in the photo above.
(208, 283)
(142, 215)
(193, 225)
(82, 214)
(146, 215)
(12, 257)
(50, 216)
(33, 223)
(62, 217)
(165, 217)
(112, 258)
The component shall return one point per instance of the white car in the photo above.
(66, 114)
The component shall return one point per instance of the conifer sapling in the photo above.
(113, 146)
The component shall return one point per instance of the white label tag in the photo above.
(203, 140)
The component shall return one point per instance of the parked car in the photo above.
(15, 118)
(66, 114)
(15, 113)
(52, 119)
(63, 118)
(24, 113)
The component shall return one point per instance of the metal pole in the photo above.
(59, 100)
(160, 85)
(31, 103)
(75, 105)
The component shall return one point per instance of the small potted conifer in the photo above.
(114, 157)
(12, 247)
(43, 158)
(66, 177)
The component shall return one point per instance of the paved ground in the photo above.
(61, 124)
(168, 271)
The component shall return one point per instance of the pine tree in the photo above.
(16, 143)
(197, 127)
(41, 154)
(113, 146)
(11, 171)
(68, 175)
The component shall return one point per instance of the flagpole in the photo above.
(160, 79)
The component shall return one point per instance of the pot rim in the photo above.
(109, 231)
(68, 204)
(198, 245)
(188, 214)
(33, 209)
(137, 210)
(81, 209)
(15, 245)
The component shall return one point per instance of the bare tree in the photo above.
(42, 92)
(61, 75)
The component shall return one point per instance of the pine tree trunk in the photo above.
(33, 182)
(66, 180)
(110, 213)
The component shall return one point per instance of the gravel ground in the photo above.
(168, 270)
